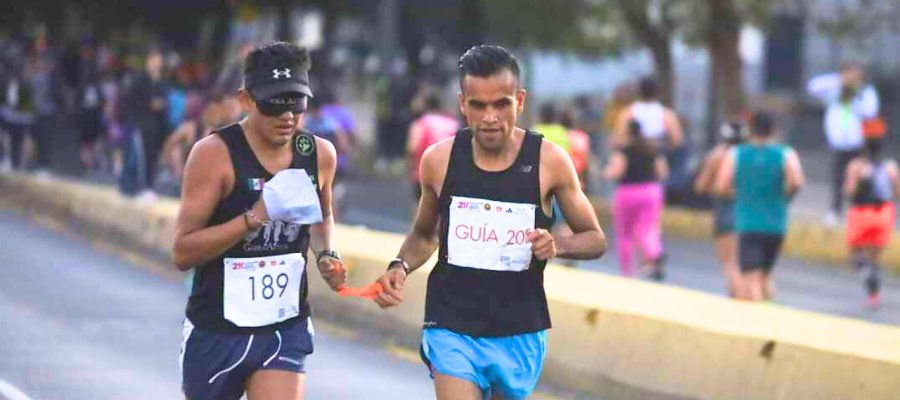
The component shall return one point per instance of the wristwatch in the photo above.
(399, 261)
(328, 253)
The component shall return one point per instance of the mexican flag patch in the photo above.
(255, 184)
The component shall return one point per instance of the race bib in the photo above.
(262, 290)
(489, 235)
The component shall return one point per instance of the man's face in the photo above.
(853, 75)
(154, 63)
(278, 128)
(491, 106)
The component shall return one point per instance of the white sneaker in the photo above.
(43, 175)
(147, 196)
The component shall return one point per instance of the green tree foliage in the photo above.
(598, 27)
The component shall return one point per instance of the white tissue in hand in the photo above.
(291, 196)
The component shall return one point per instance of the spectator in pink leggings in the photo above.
(639, 168)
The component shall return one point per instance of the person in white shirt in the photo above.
(848, 101)
(658, 123)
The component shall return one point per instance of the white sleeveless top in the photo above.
(651, 116)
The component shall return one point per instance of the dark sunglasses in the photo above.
(277, 105)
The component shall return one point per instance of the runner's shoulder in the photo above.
(210, 149)
(325, 148)
(436, 160)
(439, 152)
(209, 163)
(789, 151)
(554, 155)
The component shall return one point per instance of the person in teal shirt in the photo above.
(762, 176)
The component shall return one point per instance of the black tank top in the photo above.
(874, 189)
(205, 308)
(503, 293)
(641, 165)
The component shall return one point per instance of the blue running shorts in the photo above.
(509, 366)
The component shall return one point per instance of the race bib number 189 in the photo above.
(263, 290)
(489, 235)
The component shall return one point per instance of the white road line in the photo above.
(10, 392)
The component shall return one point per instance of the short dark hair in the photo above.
(568, 118)
(848, 65)
(433, 102)
(649, 88)
(638, 140)
(848, 92)
(873, 148)
(762, 124)
(275, 55)
(485, 60)
(634, 129)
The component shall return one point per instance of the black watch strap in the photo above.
(399, 261)
(328, 253)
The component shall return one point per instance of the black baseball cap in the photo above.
(266, 82)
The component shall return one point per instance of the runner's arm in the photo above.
(724, 186)
(673, 128)
(616, 167)
(205, 183)
(794, 174)
(704, 181)
(826, 88)
(172, 153)
(587, 240)
(412, 143)
(895, 178)
(422, 239)
(662, 168)
(620, 131)
(867, 105)
(851, 177)
(320, 234)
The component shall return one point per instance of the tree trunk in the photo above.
(285, 29)
(662, 63)
(656, 39)
(725, 61)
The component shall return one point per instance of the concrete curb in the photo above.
(612, 337)
(806, 239)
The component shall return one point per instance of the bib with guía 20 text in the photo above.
(489, 235)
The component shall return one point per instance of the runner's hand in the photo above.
(259, 209)
(542, 244)
(333, 272)
(392, 281)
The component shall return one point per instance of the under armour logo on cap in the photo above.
(278, 79)
(284, 73)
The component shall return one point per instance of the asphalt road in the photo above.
(82, 323)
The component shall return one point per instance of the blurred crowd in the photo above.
(134, 114)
